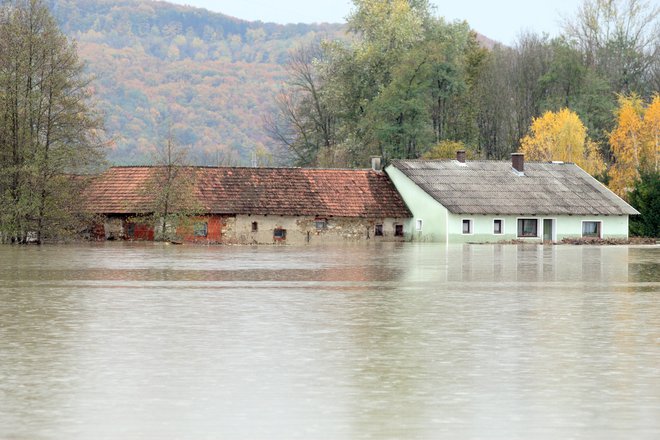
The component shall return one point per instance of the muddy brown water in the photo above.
(385, 341)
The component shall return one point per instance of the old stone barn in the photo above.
(248, 205)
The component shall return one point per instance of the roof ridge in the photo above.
(245, 168)
(554, 162)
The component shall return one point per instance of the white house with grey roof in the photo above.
(455, 201)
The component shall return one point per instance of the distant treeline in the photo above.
(409, 81)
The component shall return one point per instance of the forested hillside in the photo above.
(207, 78)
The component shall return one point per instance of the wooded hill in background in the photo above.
(206, 77)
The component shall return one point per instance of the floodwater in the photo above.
(385, 341)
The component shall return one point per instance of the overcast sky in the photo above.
(501, 20)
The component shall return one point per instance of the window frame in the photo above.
(281, 236)
(470, 226)
(419, 224)
(398, 230)
(501, 220)
(255, 226)
(518, 227)
(599, 229)
(321, 223)
(378, 230)
(197, 229)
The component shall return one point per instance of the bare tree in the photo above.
(620, 38)
(303, 122)
(48, 126)
(172, 190)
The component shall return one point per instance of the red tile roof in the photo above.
(274, 191)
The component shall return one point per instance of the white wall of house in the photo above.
(306, 229)
(482, 227)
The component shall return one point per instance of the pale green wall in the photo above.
(439, 225)
(566, 227)
(423, 207)
(613, 226)
(482, 229)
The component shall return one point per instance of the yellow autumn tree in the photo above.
(563, 137)
(635, 142)
(448, 149)
(652, 135)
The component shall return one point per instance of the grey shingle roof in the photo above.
(494, 187)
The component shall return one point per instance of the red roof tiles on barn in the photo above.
(258, 191)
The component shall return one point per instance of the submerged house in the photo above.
(256, 205)
(459, 201)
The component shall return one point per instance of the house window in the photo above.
(279, 234)
(528, 227)
(418, 224)
(467, 226)
(200, 229)
(255, 226)
(591, 229)
(378, 231)
(130, 230)
(498, 226)
(321, 223)
(398, 230)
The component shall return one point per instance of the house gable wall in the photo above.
(423, 207)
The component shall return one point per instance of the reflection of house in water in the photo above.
(531, 263)
(258, 205)
(499, 265)
(459, 201)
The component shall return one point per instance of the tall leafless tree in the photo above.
(48, 126)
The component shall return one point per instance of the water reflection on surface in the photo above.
(384, 341)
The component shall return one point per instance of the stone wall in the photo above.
(302, 230)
